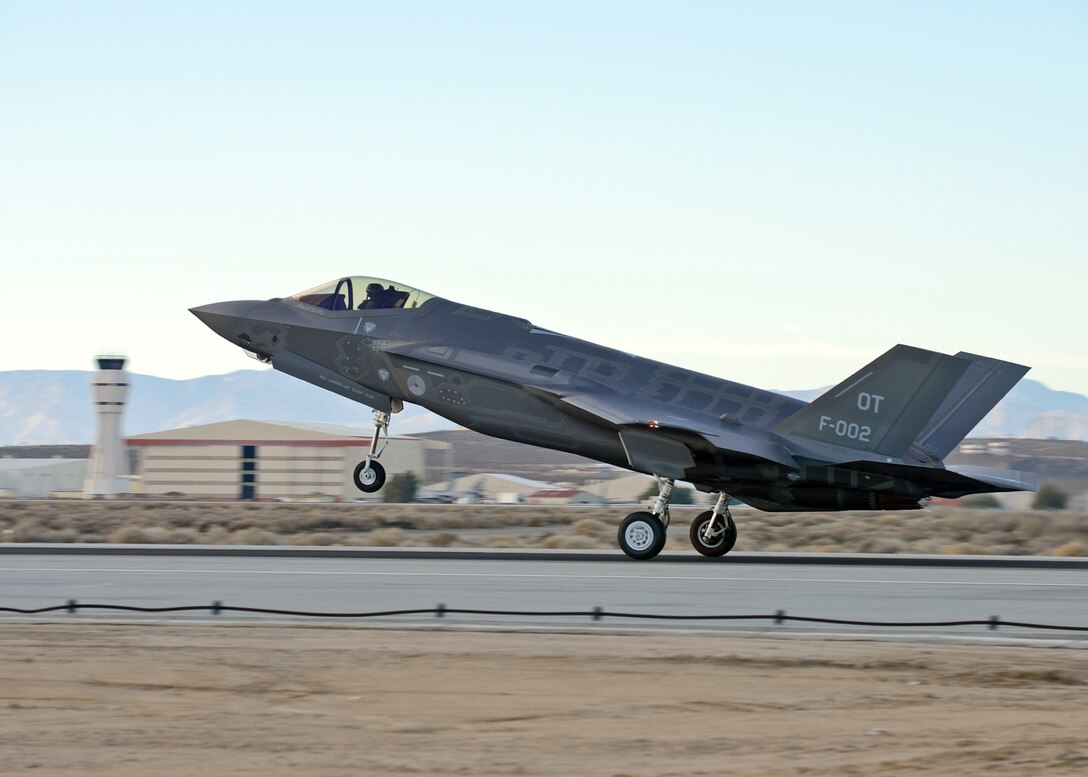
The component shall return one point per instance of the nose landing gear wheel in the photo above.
(722, 537)
(369, 476)
(641, 535)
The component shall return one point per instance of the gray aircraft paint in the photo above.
(875, 441)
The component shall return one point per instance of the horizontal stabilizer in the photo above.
(882, 407)
(982, 386)
(998, 479)
(951, 482)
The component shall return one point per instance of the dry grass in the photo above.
(943, 530)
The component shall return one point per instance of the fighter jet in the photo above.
(876, 441)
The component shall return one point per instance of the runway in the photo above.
(855, 588)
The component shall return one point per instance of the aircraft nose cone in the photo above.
(226, 319)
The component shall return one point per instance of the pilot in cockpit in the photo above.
(378, 298)
(375, 297)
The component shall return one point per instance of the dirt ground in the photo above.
(97, 699)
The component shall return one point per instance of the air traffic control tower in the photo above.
(107, 473)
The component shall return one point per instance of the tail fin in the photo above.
(883, 407)
(982, 386)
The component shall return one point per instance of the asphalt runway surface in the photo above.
(856, 589)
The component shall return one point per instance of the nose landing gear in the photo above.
(369, 475)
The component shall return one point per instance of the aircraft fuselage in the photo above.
(875, 441)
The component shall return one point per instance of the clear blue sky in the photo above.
(770, 192)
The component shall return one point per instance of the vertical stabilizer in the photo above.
(883, 407)
(982, 386)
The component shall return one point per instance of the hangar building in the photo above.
(265, 460)
(41, 477)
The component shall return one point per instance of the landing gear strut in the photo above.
(714, 533)
(369, 474)
(642, 534)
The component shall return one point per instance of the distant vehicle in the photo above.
(876, 441)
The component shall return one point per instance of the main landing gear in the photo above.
(714, 533)
(642, 535)
(369, 474)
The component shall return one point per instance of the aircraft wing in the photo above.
(666, 444)
(656, 440)
(624, 410)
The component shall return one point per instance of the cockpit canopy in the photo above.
(358, 292)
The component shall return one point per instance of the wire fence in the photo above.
(596, 614)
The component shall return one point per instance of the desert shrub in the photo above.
(881, 545)
(313, 523)
(136, 534)
(401, 488)
(1050, 497)
(1071, 548)
(1032, 525)
(314, 538)
(54, 535)
(845, 532)
(253, 536)
(504, 541)
(442, 540)
(182, 536)
(886, 520)
(27, 530)
(590, 527)
(387, 537)
(1002, 522)
(215, 535)
(963, 548)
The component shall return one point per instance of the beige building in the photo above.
(265, 460)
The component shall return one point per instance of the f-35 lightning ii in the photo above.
(876, 441)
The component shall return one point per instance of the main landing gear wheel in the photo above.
(722, 537)
(641, 535)
(369, 476)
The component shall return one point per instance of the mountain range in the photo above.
(50, 407)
